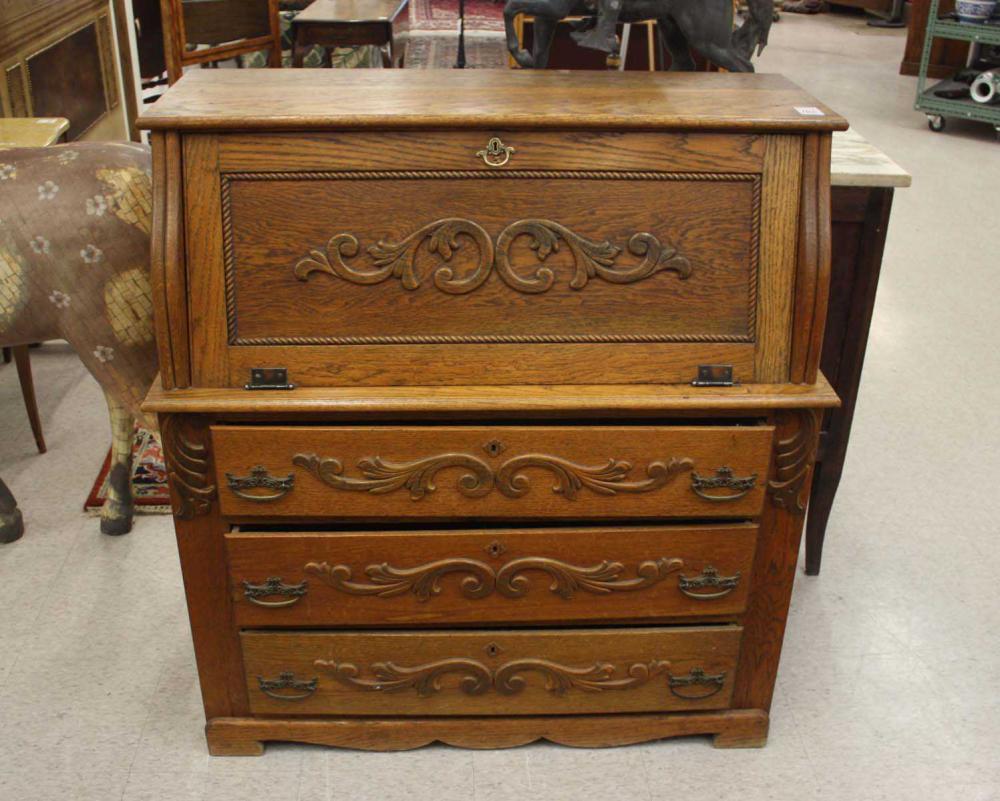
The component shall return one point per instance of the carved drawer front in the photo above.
(491, 472)
(443, 577)
(490, 672)
(580, 260)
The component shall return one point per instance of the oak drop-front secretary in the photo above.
(489, 399)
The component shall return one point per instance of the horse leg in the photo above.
(676, 45)
(708, 27)
(543, 33)
(510, 12)
(550, 10)
(11, 523)
(727, 57)
(116, 516)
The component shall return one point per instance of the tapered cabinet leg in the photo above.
(826, 479)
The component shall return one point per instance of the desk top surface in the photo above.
(855, 161)
(327, 11)
(31, 131)
(342, 99)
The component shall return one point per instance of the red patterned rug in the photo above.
(149, 478)
(440, 52)
(442, 15)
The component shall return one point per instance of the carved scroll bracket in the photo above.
(187, 454)
(794, 456)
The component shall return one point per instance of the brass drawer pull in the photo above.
(274, 586)
(496, 153)
(287, 681)
(709, 578)
(259, 478)
(723, 479)
(697, 678)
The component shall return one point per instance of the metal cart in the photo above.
(938, 108)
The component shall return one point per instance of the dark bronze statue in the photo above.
(705, 26)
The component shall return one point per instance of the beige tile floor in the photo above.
(889, 682)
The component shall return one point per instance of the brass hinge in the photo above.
(714, 375)
(269, 378)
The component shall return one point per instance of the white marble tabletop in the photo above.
(857, 162)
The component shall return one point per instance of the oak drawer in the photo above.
(397, 258)
(412, 578)
(491, 472)
(490, 672)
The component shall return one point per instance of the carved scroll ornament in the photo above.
(380, 476)
(398, 259)
(793, 458)
(510, 580)
(188, 468)
(509, 679)
(591, 259)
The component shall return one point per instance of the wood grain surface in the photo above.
(736, 728)
(426, 578)
(708, 223)
(235, 100)
(775, 564)
(564, 308)
(457, 150)
(618, 670)
(427, 473)
(543, 401)
(202, 550)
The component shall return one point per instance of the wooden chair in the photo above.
(21, 357)
(229, 28)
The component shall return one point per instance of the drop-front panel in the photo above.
(440, 465)
(396, 276)
(526, 272)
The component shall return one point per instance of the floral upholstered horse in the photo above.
(74, 265)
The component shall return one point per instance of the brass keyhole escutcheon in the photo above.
(496, 153)
(495, 549)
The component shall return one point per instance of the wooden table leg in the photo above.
(857, 261)
(11, 523)
(23, 361)
(298, 49)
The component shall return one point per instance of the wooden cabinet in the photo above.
(59, 59)
(446, 384)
